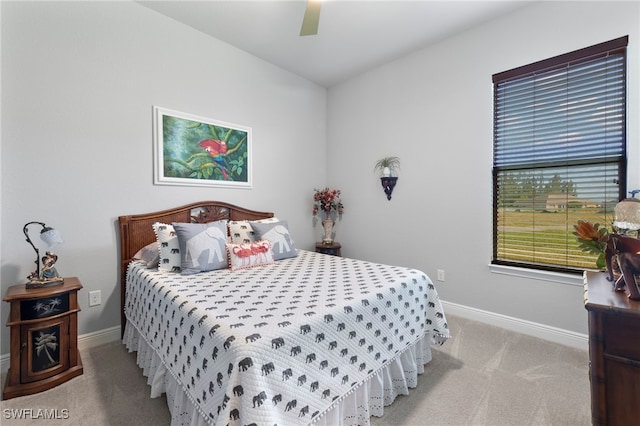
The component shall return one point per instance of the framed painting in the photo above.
(197, 151)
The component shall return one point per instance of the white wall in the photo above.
(433, 109)
(79, 80)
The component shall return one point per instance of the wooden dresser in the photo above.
(614, 352)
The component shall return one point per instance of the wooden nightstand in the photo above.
(44, 337)
(332, 248)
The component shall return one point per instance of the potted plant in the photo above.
(387, 166)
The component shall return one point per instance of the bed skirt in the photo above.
(356, 408)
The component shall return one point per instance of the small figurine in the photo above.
(623, 252)
(48, 275)
(48, 270)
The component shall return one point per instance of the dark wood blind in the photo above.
(559, 154)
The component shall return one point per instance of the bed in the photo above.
(307, 338)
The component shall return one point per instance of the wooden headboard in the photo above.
(136, 231)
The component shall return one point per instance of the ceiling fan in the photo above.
(311, 18)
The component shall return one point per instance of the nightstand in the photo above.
(44, 337)
(332, 248)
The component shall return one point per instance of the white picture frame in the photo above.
(190, 150)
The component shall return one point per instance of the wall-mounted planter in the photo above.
(386, 167)
(388, 183)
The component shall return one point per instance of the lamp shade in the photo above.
(627, 214)
(50, 236)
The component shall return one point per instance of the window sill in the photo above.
(558, 277)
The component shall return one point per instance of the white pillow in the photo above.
(169, 247)
(248, 255)
(241, 231)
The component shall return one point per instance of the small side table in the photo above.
(332, 248)
(44, 337)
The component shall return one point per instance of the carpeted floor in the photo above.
(483, 376)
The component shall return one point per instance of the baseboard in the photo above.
(85, 341)
(99, 337)
(541, 331)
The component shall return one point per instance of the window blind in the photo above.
(559, 154)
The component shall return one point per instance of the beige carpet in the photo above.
(483, 376)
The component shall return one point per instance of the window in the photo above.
(559, 155)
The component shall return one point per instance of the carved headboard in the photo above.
(136, 231)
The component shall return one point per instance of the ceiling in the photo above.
(353, 36)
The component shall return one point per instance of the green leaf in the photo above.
(206, 169)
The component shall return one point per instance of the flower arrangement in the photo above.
(327, 200)
(592, 239)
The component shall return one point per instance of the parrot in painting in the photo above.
(215, 149)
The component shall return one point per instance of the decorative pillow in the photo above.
(202, 246)
(168, 246)
(241, 231)
(247, 255)
(149, 254)
(278, 234)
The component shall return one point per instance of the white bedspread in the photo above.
(295, 342)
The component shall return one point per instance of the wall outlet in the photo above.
(440, 275)
(95, 298)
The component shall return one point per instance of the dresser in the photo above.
(614, 352)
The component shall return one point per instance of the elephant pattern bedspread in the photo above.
(281, 343)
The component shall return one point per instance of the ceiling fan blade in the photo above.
(311, 18)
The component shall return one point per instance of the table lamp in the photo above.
(48, 276)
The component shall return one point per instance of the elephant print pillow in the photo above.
(202, 246)
(169, 256)
(241, 231)
(277, 233)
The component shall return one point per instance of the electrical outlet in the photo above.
(95, 298)
(440, 275)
